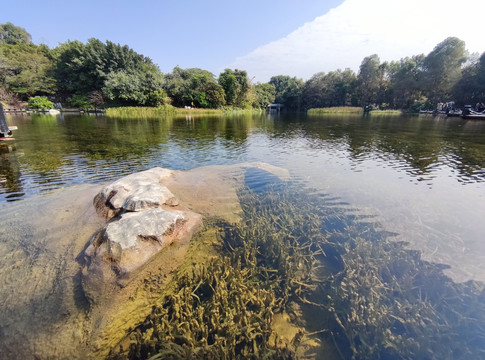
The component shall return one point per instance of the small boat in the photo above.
(469, 113)
(454, 113)
(5, 130)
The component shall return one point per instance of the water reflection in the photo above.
(424, 176)
(9, 173)
(419, 145)
(98, 147)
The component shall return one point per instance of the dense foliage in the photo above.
(122, 75)
(40, 102)
(194, 87)
(96, 74)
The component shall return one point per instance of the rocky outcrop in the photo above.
(135, 237)
(135, 192)
(144, 218)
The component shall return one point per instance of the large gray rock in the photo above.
(131, 240)
(135, 192)
(145, 217)
(126, 244)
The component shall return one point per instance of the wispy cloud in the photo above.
(341, 38)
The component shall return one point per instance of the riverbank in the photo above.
(155, 112)
(347, 110)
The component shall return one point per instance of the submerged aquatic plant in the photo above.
(367, 294)
(218, 312)
(389, 303)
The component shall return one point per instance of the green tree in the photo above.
(333, 89)
(405, 81)
(442, 69)
(470, 89)
(11, 34)
(288, 91)
(193, 87)
(70, 70)
(26, 69)
(124, 76)
(236, 87)
(214, 95)
(264, 95)
(134, 88)
(369, 80)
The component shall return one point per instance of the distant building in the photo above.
(275, 108)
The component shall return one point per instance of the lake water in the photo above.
(420, 179)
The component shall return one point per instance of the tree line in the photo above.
(96, 73)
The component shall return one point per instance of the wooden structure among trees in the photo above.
(275, 108)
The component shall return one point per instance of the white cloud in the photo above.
(340, 39)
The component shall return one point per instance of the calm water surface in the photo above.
(422, 179)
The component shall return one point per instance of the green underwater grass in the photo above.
(364, 292)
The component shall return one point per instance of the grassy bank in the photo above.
(336, 110)
(385, 112)
(156, 112)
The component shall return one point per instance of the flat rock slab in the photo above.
(212, 190)
(40, 238)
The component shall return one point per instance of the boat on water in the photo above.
(469, 113)
(454, 113)
(5, 130)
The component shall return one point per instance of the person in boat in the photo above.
(4, 130)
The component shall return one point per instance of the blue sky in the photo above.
(265, 38)
(208, 34)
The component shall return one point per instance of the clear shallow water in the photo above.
(424, 177)
(419, 179)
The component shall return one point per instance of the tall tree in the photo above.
(11, 34)
(470, 89)
(236, 87)
(288, 91)
(71, 71)
(404, 81)
(369, 80)
(442, 69)
(194, 87)
(333, 89)
(264, 95)
(120, 73)
(26, 70)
